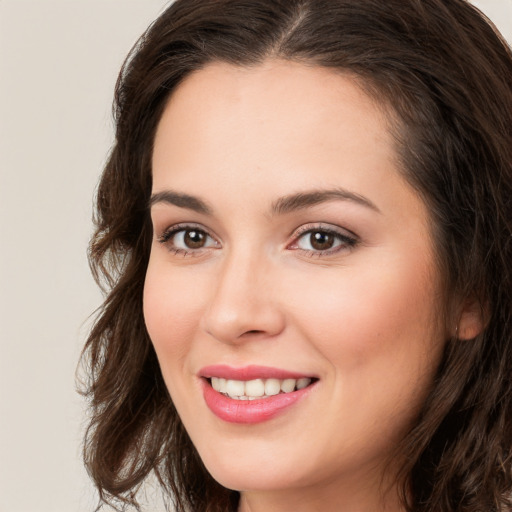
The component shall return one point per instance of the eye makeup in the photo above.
(312, 240)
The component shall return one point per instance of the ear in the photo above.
(472, 319)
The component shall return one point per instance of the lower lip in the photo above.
(250, 411)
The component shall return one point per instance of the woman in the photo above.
(305, 232)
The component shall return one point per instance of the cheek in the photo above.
(379, 331)
(171, 312)
(380, 317)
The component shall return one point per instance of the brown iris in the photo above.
(321, 241)
(194, 239)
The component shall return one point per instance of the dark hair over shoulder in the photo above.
(444, 76)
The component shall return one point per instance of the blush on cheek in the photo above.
(163, 315)
(377, 323)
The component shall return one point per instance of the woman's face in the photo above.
(288, 251)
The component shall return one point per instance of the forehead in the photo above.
(308, 114)
(285, 80)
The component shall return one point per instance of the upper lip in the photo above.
(249, 372)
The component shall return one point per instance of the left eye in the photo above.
(191, 239)
(186, 239)
(320, 240)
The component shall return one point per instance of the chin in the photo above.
(244, 467)
(251, 478)
(261, 466)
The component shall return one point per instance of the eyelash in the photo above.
(345, 241)
(166, 237)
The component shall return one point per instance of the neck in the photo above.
(331, 497)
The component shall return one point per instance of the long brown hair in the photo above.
(445, 76)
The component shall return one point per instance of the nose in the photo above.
(243, 303)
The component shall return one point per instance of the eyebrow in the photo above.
(283, 205)
(180, 200)
(302, 200)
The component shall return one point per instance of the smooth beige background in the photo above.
(58, 64)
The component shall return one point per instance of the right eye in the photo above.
(186, 240)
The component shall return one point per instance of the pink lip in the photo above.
(248, 372)
(249, 411)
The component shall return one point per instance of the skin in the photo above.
(363, 318)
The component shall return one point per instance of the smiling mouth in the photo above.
(257, 389)
(253, 394)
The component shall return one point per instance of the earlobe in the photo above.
(472, 320)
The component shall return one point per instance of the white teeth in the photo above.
(288, 385)
(272, 387)
(235, 387)
(257, 388)
(219, 384)
(215, 383)
(304, 382)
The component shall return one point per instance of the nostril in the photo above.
(253, 333)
